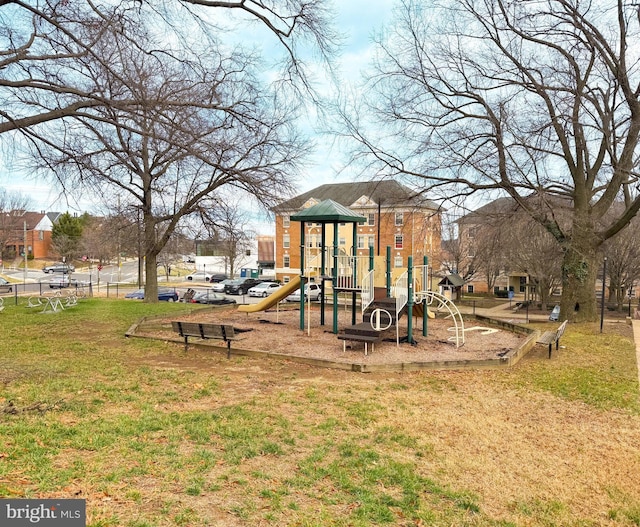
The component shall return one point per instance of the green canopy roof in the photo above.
(328, 211)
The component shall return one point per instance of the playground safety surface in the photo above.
(277, 333)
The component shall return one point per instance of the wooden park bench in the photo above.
(552, 337)
(205, 331)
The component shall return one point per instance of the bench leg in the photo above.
(550, 348)
(186, 342)
(228, 349)
(366, 348)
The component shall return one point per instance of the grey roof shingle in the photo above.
(390, 192)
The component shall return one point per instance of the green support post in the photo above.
(323, 269)
(335, 278)
(388, 271)
(410, 301)
(425, 324)
(354, 285)
(302, 248)
(371, 259)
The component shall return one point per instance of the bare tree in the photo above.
(39, 40)
(228, 227)
(12, 208)
(490, 253)
(203, 124)
(623, 262)
(166, 126)
(459, 257)
(532, 250)
(520, 97)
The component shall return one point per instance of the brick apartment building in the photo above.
(33, 229)
(395, 216)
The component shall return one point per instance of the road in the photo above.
(35, 281)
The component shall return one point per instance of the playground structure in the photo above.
(382, 301)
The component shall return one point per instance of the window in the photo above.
(364, 241)
(471, 252)
(286, 241)
(371, 219)
(397, 261)
(469, 289)
(286, 222)
(286, 279)
(41, 235)
(343, 240)
(472, 232)
(399, 218)
(399, 241)
(286, 261)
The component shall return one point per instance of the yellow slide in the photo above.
(273, 298)
(418, 311)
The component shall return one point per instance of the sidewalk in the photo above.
(505, 312)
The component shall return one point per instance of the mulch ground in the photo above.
(278, 331)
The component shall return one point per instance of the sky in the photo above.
(356, 19)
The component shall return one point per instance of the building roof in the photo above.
(32, 219)
(364, 194)
(266, 249)
(454, 280)
(494, 209)
(328, 211)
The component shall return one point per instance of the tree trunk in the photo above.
(150, 260)
(151, 282)
(580, 268)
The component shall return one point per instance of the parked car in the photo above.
(199, 276)
(60, 281)
(212, 298)
(218, 277)
(5, 287)
(240, 286)
(164, 294)
(218, 287)
(555, 313)
(311, 292)
(264, 289)
(59, 268)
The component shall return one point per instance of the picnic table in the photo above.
(53, 303)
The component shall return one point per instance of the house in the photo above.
(20, 228)
(395, 216)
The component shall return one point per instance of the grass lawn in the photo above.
(152, 436)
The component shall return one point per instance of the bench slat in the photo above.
(552, 337)
(205, 331)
